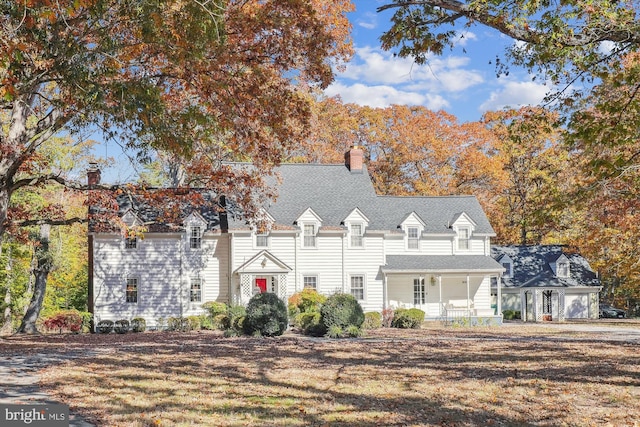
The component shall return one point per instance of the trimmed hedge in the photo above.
(341, 310)
(138, 324)
(411, 318)
(104, 326)
(121, 326)
(511, 314)
(266, 315)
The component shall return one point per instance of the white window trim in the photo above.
(566, 273)
(413, 239)
(351, 235)
(315, 235)
(191, 236)
(266, 235)
(192, 281)
(459, 239)
(135, 241)
(508, 271)
(126, 286)
(364, 285)
(310, 275)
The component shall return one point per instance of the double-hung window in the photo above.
(196, 289)
(310, 282)
(195, 237)
(132, 289)
(356, 235)
(562, 269)
(309, 235)
(464, 235)
(262, 240)
(412, 238)
(131, 242)
(357, 287)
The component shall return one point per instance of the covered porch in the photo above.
(455, 289)
(264, 272)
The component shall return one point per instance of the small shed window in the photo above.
(132, 290)
(562, 269)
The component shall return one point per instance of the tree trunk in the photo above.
(4, 205)
(41, 272)
(7, 326)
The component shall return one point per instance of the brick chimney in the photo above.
(93, 175)
(354, 159)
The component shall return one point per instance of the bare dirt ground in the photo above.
(514, 375)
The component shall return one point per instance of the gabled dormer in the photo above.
(561, 266)
(309, 223)
(413, 226)
(463, 226)
(195, 226)
(507, 264)
(133, 229)
(356, 223)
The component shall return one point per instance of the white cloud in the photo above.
(515, 94)
(368, 20)
(374, 67)
(380, 96)
(606, 47)
(464, 37)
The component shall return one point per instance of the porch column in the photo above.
(440, 294)
(499, 301)
(468, 298)
(385, 301)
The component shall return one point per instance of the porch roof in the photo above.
(441, 264)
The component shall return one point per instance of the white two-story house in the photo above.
(328, 230)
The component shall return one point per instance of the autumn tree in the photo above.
(171, 75)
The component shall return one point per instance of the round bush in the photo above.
(372, 320)
(138, 324)
(104, 326)
(341, 310)
(215, 308)
(309, 323)
(408, 318)
(121, 326)
(266, 315)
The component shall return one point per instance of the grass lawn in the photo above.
(515, 376)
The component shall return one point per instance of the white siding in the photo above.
(576, 306)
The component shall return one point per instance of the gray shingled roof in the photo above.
(532, 267)
(441, 263)
(333, 192)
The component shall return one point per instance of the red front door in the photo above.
(262, 284)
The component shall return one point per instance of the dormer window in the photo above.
(507, 269)
(309, 235)
(131, 242)
(562, 269)
(464, 235)
(412, 238)
(356, 235)
(262, 240)
(195, 237)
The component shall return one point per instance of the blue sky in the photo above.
(462, 82)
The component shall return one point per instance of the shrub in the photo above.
(214, 308)
(372, 320)
(353, 331)
(387, 317)
(206, 322)
(266, 315)
(138, 324)
(180, 324)
(306, 300)
(334, 331)
(193, 323)
(69, 320)
(104, 326)
(408, 318)
(341, 310)
(121, 326)
(511, 314)
(232, 316)
(160, 323)
(309, 323)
